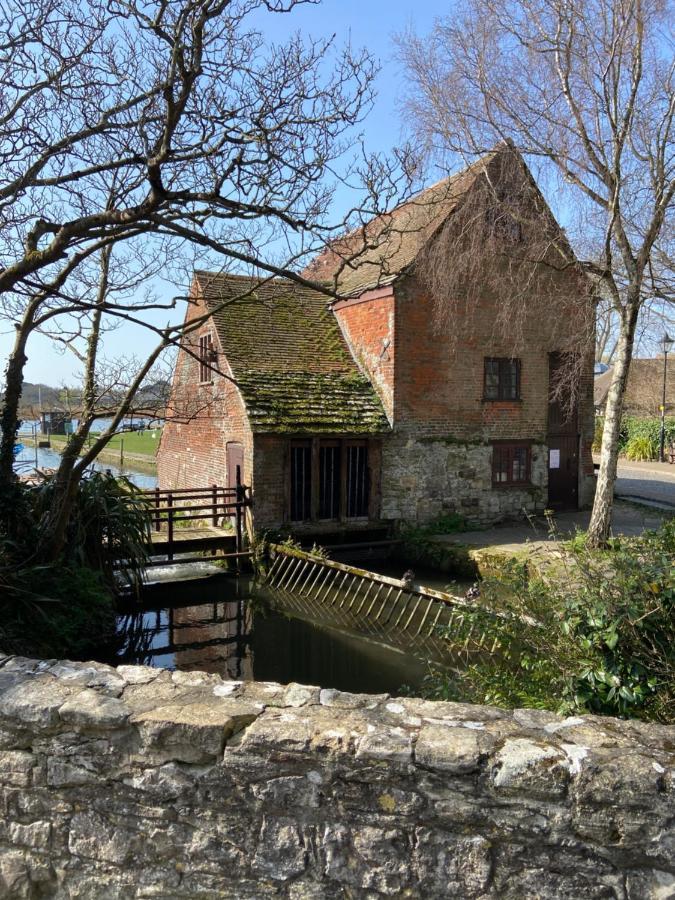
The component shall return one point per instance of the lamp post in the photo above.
(667, 344)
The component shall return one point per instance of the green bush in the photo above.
(56, 611)
(633, 427)
(67, 608)
(597, 635)
(641, 448)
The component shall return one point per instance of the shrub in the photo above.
(596, 635)
(67, 608)
(637, 427)
(56, 611)
(641, 448)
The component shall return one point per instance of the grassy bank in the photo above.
(135, 447)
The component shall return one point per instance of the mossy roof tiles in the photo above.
(288, 356)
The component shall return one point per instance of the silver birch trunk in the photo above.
(601, 517)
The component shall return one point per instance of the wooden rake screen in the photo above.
(373, 603)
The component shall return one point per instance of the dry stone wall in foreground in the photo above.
(136, 782)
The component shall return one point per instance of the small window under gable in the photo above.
(205, 358)
(501, 378)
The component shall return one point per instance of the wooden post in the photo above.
(169, 505)
(240, 499)
(214, 494)
(121, 452)
(157, 522)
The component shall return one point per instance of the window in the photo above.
(329, 480)
(301, 481)
(510, 464)
(501, 379)
(206, 355)
(357, 481)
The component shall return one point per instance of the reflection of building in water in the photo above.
(213, 637)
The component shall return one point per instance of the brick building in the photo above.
(363, 409)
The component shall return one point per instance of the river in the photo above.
(44, 458)
(227, 625)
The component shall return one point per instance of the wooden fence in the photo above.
(172, 510)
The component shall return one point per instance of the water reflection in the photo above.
(238, 632)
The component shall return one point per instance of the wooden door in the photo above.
(234, 457)
(563, 446)
(563, 471)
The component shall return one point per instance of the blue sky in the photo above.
(372, 24)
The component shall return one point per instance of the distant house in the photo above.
(644, 390)
(349, 412)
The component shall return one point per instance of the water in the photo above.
(231, 627)
(25, 464)
(28, 427)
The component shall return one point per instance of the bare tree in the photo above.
(584, 88)
(130, 122)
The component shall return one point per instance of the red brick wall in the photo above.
(202, 419)
(367, 323)
(439, 377)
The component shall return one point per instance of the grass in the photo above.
(144, 443)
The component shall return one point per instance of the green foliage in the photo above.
(108, 528)
(67, 608)
(55, 611)
(633, 427)
(596, 635)
(641, 448)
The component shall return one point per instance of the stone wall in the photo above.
(424, 478)
(143, 783)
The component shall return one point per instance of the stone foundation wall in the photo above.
(425, 478)
(143, 783)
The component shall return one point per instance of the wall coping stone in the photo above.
(141, 782)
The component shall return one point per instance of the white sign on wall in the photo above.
(554, 459)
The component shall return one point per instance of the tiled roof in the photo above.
(373, 256)
(289, 358)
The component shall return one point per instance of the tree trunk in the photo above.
(601, 517)
(65, 486)
(9, 420)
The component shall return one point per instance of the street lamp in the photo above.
(667, 344)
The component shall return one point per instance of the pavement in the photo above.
(650, 481)
(645, 494)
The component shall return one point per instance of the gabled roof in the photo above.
(377, 253)
(289, 358)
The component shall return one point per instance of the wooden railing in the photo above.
(173, 508)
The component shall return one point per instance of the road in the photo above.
(648, 481)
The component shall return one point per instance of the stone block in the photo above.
(451, 865)
(192, 732)
(452, 749)
(91, 709)
(16, 767)
(280, 853)
(36, 700)
(530, 768)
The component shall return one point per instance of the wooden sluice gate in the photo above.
(376, 606)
